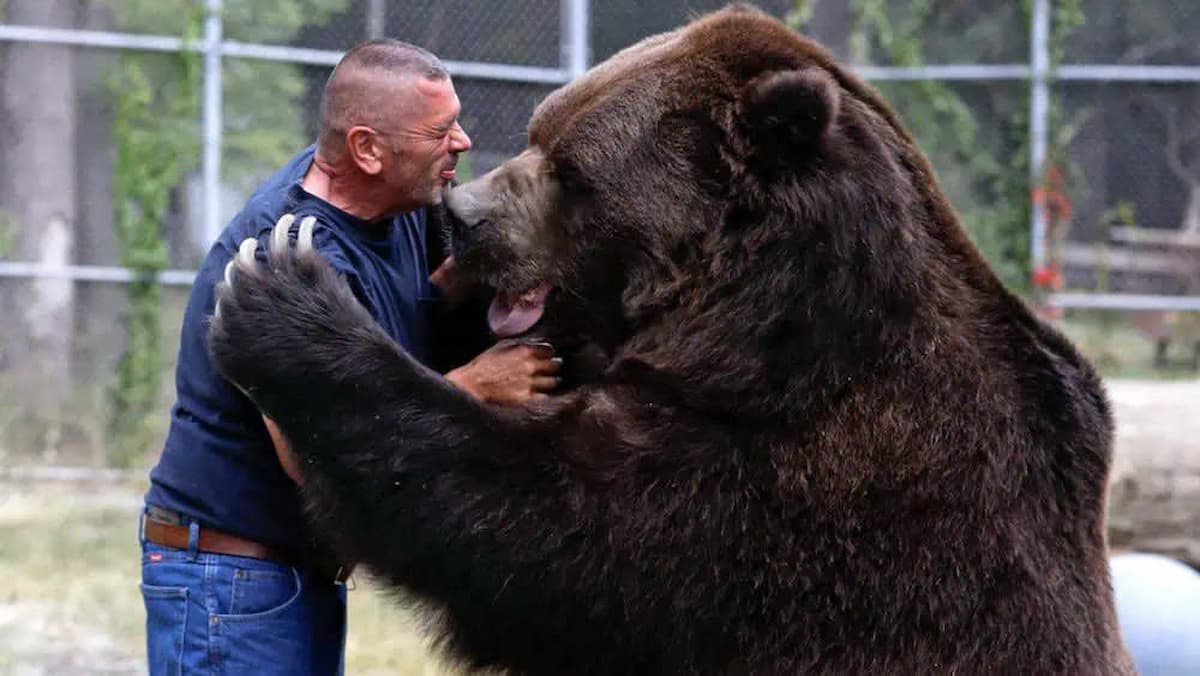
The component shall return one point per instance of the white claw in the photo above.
(245, 255)
(279, 236)
(229, 273)
(304, 241)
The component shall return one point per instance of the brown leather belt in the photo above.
(210, 540)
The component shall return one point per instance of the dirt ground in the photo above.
(1165, 415)
(68, 560)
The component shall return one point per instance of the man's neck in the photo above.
(343, 189)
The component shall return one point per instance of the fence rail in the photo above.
(554, 76)
(574, 60)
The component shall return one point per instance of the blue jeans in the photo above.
(221, 614)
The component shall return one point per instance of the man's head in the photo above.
(389, 112)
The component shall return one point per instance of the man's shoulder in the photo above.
(327, 237)
(272, 198)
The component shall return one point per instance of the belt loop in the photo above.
(142, 526)
(193, 539)
(345, 577)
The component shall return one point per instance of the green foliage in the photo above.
(976, 135)
(465, 168)
(156, 131)
(800, 14)
(983, 175)
(8, 234)
(264, 117)
(264, 123)
(275, 21)
(1067, 16)
(1124, 214)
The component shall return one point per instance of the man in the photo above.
(232, 579)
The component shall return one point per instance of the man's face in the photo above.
(425, 145)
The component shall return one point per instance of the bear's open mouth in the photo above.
(515, 312)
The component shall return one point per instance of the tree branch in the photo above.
(1173, 148)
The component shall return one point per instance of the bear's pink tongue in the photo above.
(513, 313)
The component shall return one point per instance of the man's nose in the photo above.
(460, 142)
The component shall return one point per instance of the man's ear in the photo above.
(790, 110)
(364, 149)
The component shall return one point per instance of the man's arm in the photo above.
(283, 451)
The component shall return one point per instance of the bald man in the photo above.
(233, 580)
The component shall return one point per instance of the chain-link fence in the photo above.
(1064, 131)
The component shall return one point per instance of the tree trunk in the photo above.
(99, 339)
(96, 241)
(1154, 494)
(38, 192)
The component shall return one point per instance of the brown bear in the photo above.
(819, 437)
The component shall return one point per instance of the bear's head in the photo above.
(722, 204)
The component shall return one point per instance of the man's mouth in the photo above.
(515, 312)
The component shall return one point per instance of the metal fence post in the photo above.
(575, 56)
(211, 163)
(1039, 126)
(574, 37)
(376, 18)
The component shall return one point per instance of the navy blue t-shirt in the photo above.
(218, 465)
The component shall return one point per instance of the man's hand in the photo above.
(510, 373)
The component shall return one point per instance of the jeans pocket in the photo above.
(292, 638)
(258, 593)
(166, 624)
(304, 636)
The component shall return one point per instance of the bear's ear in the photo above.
(791, 110)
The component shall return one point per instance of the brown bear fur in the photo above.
(821, 436)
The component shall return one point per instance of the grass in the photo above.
(1120, 350)
(69, 600)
